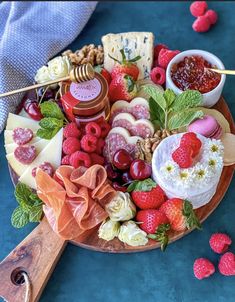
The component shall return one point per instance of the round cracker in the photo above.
(228, 140)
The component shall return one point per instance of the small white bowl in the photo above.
(209, 98)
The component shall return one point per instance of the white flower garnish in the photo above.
(131, 234)
(214, 146)
(170, 169)
(214, 162)
(109, 230)
(185, 177)
(121, 208)
(201, 174)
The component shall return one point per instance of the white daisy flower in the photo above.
(214, 146)
(214, 163)
(201, 174)
(185, 178)
(170, 169)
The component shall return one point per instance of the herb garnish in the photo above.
(29, 209)
(171, 111)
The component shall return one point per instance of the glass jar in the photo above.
(86, 101)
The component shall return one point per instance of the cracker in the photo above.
(228, 140)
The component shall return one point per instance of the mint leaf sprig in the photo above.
(168, 111)
(53, 120)
(29, 209)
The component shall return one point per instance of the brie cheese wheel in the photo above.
(197, 195)
(134, 44)
(51, 154)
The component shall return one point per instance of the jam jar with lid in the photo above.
(87, 101)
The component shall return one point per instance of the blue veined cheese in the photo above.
(134, 44)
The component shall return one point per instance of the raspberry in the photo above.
(227, 264)
(70, 145)
(198, 8)
(183, 156)
(157, 49)
(165, 56)
(220, 242)
(203, 268)
(65, 160)
(201, 24)
(79, 158)
(158, 75)
(97, 159)
(100, 146)
(190, 139)
(105, 128)
(71, 130)
(212, 16)
(88, 143)
(93, 128)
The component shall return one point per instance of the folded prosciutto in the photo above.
(74, 205)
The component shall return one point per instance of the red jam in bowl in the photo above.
(192, 73)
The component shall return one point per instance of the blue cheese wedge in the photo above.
(134, 44)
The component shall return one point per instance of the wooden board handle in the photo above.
(37, 256)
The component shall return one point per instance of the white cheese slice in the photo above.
(24, 113)
(134, 44)
(39, 145)
(14, 121)
(18, 167)
(51, 153)
(8, 138)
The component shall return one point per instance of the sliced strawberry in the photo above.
(190, 139)
(183, 156)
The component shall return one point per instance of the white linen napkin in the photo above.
(30, 34)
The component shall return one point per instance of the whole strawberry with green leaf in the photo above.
(180, 214)
(146, 194)
(155, 224)
(125, 66)
(122, 87)
(104, 72)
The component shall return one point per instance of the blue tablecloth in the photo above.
(153, 276)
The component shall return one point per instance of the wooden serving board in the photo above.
(38, 254)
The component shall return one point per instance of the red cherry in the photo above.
(126, 178)
(140, 169)
(32, 108)
(119, 187)
(111, 173)
(122, 159)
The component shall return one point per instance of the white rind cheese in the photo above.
(134, 44)
(198, 196)
(51, 153)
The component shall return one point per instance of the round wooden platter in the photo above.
(93, 242)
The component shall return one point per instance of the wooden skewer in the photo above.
(78, 74)
(222, 71)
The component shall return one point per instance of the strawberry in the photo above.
(183, 156)
(190, 139)
(155, 224)
(146, 194)
(180, 214)
(122, 87)
(104, 72)
(125, 66)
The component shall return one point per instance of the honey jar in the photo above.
(86, 101)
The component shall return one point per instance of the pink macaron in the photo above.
(207, 126)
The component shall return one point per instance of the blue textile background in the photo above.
(153, 276)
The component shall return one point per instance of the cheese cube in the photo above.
(134, 44)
